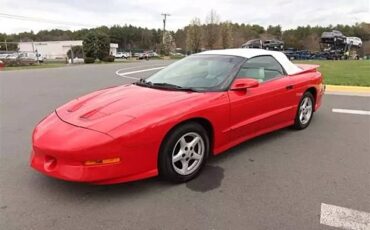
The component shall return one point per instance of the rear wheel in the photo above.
(305, 111)
(183, 153)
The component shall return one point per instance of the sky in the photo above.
(26, 15)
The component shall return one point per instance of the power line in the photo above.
(43, 20)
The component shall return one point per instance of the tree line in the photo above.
(212, 33)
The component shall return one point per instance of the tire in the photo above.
(179, 160)
(305, 111)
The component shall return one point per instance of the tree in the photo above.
(180, 38)
(102, 45)
(211, 33)
(96, 45)
(226, 35)
(275, 31)
(194, 35)
(89, 45)
(167, 46)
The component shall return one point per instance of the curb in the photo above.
(347, 89)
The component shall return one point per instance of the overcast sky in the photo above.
(76, 14)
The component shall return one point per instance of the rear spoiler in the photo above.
(306, 68)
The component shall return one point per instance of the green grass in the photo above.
(344, 72)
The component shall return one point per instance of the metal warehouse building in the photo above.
(55, 49)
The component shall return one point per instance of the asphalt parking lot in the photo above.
(276, 181)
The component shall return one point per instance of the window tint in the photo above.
(261, 68)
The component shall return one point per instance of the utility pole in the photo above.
(164, 24)
(6, 46)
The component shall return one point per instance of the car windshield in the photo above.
(198, 72)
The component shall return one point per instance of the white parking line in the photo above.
(344, 218)
(124, 74)
(351, 111)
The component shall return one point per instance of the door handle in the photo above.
(289, 87)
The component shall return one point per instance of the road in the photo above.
(276, 181)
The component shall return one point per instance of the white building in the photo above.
(55, 49)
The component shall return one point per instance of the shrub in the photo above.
(88, 60)
(109, 58)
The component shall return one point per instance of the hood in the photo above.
(106, 109)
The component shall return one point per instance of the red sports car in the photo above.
(169, 123)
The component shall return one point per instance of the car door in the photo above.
(266, 107)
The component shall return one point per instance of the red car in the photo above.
(171, 122)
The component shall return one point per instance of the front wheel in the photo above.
(183, 153)
(305, 111)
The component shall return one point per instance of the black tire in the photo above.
(166, 166)
(298, 123)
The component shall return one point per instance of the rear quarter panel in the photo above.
(309, 80)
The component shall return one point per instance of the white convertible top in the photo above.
(289, 67)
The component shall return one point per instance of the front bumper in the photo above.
(60, 150)
(70, 170)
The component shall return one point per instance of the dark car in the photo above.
(334, 37)
(291, 53)
(273, 44)
(255, 43)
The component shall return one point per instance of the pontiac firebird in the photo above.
(171, 122)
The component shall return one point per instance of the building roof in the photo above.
(289, 67)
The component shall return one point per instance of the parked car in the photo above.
(27, 58)
(291, 54)
(255, 43)
(170, 123)
(334, 37)
(152, 54)
(273, 44)
(12, 56)
(142, 56)
(177, 54)
(137, 54)
(354, 41)
(10, 59)
(3, 56)
(121, 55)
(1, 64)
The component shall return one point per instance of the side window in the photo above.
(262, 68)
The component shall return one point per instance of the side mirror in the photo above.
(244, 83)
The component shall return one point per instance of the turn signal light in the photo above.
(104, 161)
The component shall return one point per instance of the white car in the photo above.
(121, 55)
(355, 41)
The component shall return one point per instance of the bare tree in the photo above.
(193, 35)
(226, 34)
(211, 35)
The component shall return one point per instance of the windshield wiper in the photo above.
(143, 82)
(173, 86)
